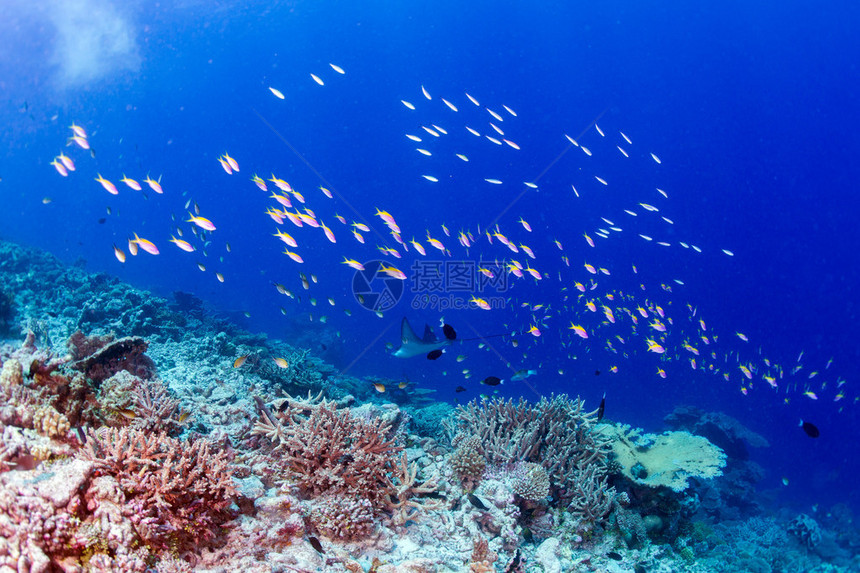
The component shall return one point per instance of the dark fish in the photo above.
(315, 543)
(810, 429)
(434, 354)
(449, 332)
(601, 408)
(459, 389)
(528, 535)
(491, 381)
(102, 220)
(597, 372)
(614, 555)
(473, 499)
(81, 434)
(639, 568)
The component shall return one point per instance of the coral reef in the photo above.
(328, 453)
(129, 442)
(556, 433)
(668, 459)
(806, 530)
(177, 491)
(720, 429)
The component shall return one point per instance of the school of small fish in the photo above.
(648, 321)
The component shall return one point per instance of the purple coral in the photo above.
(556, 433)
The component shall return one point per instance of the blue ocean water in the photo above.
(751, 109)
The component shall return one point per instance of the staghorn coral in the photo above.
(403, 501)
(556, 433)
(176, 492)
(327, 451)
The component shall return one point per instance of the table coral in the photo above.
(669, 459)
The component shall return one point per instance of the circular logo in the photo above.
(375, 290)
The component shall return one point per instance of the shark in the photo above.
(411, 345)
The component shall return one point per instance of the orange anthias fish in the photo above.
(61, 169)
(654, 347)
(580, 331)
(295, 256)
(131, 183)
(66, 161)
(231, 162)
(393, 272)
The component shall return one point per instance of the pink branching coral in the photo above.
(328, 452)
(176, 492)
(331, 452)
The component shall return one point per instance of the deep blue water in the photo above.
(752, 109)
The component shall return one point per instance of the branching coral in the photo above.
(327, 451)
(177, 492)
(556, 433)
(403, 491)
